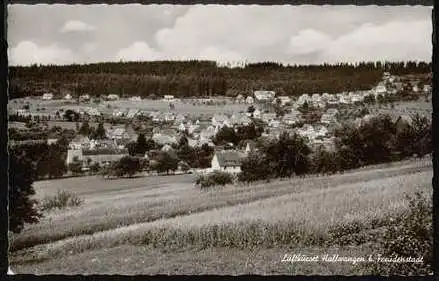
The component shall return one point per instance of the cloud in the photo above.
(289, 34)
(398, 40)
(90, 47)
(308, 41)
(224, 31)
(76, 25)
(27, 52)
(138, 51)
(212, 52)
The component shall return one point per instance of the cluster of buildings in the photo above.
(201, 129)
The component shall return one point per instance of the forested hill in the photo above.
(200, 78)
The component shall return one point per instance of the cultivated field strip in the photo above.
(193, 218)
(144, 206)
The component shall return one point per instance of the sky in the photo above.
(66, 34)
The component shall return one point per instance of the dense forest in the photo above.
(201, 78)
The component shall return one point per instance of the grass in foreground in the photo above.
(114, 204)
(301, 219)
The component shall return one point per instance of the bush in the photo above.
(254, 168)
(61, 200)
(76, 167)
(412, 237)
(214, 179)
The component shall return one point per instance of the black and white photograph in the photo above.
(220, 139)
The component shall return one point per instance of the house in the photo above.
(219, 120)
(164, 139)
(264, 96)
(307, 131)
(257, 113)
(325, 96)
(303, 98)
(118, 113)
(332, 111)
(333, 99)
(84, 98)
(227, 161)
(193, 129)
(356, 97)
(274, 123)
(181, 128)
(112, 97)
(136, 99)
(132, 112)
(92, 111)
(321, 131)
(316, 98)
(415, 88)
(284, 100)
(68, 97)
(120, 134)
(168, 98)
(291, 118)
(427, 88)
(319, 104)
(169, 117)
(380, 89)
(328, 118)
(250, 146)
(240, 99)
(167, 148)
(47, 96)
(208, 133)
(267, 117)
(249, 100)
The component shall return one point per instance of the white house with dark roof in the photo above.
(93, 111)
(328, 118)
(240, 99)
(380, 89)
(267, 117)
(291, 118)
(219, 120)
(303, 98)
(284, 100)
(136, 98)
(264, 96)
(227, 161)
(316, 98)
(257, 113)
(164, 139)
(427, 88)
(325, 96)
(112, 97)
(249, 100)
(85, 97)
(168, 98)
(47, 96)
(132, 112)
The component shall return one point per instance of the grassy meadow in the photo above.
(164, 225)
(185, 106)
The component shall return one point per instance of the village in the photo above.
(312, 116)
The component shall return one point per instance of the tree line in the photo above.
(379, 140)
(201, 78)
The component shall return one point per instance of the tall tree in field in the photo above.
(84, 130)
(100, 133)
(166, 162)
(22, 209)
(141, 144)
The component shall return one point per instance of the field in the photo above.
(107, 107)
(161, 225)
